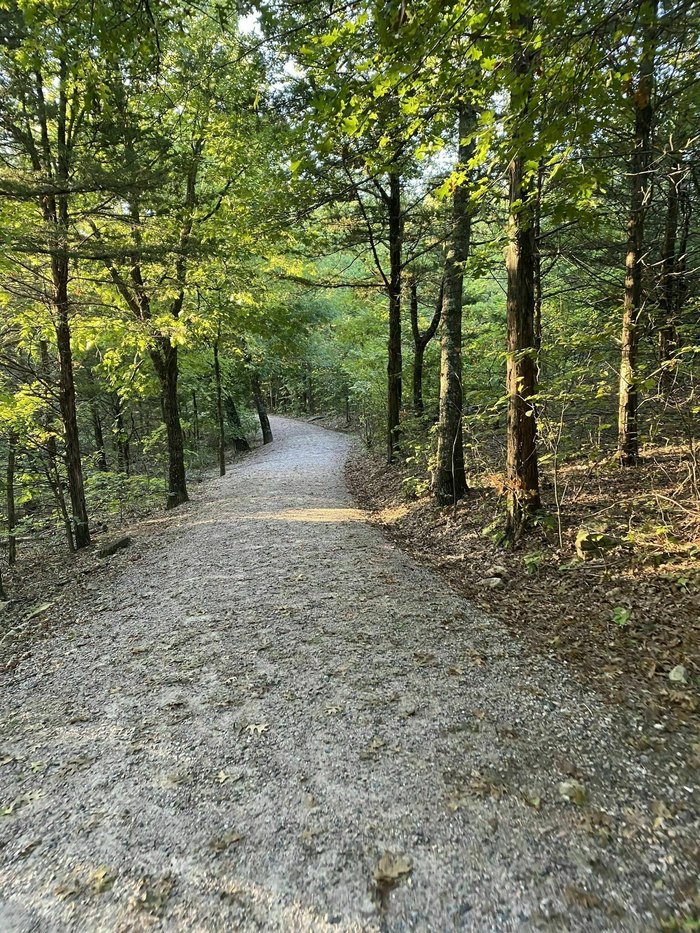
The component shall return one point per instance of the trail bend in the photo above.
(269, 697)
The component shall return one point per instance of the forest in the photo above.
(441, 251)
(469, 234)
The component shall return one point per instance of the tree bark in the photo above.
(239, 439)
(76, 490)
(219, 412)
(10, 490)
(394, 363)
(53, 474)
(449, 479)
(522, 483)
(165, 363)
(259, 400)
(640, 184)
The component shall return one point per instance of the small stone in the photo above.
(492, 583)
(573, 791)
(497, 571)
(678, 675)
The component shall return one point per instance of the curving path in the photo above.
(271, 698)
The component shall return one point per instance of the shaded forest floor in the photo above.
(621, 622)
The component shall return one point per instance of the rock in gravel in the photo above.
(497, 571)
(573, 791)
(113, 546)
(678, 675)
(492, 583)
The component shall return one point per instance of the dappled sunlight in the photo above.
(393, 513)
(312, 515)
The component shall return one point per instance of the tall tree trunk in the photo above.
(53, 473)
(219, 412)
(394, 363)
(259, 400)
(449, 479)
(99, 436)
(56, 211)
(10, 490)
(523, 493)
(239, 439)
(166, 365)
(667, 330)
(74, 470)
(640, 185)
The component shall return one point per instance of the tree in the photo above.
(449, 479)
(640, 179)
(523, 495)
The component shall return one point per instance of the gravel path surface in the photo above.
(272, 698)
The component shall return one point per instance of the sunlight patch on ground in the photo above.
(393, 514)
(313, 515)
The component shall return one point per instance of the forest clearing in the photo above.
(349, 465)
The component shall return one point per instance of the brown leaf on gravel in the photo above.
(390, 869)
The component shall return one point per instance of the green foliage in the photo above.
(621, 616)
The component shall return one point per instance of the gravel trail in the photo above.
(270, 696)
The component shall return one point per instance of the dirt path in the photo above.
(271, 698)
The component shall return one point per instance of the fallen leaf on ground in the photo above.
(390, 869)
(257, 728)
